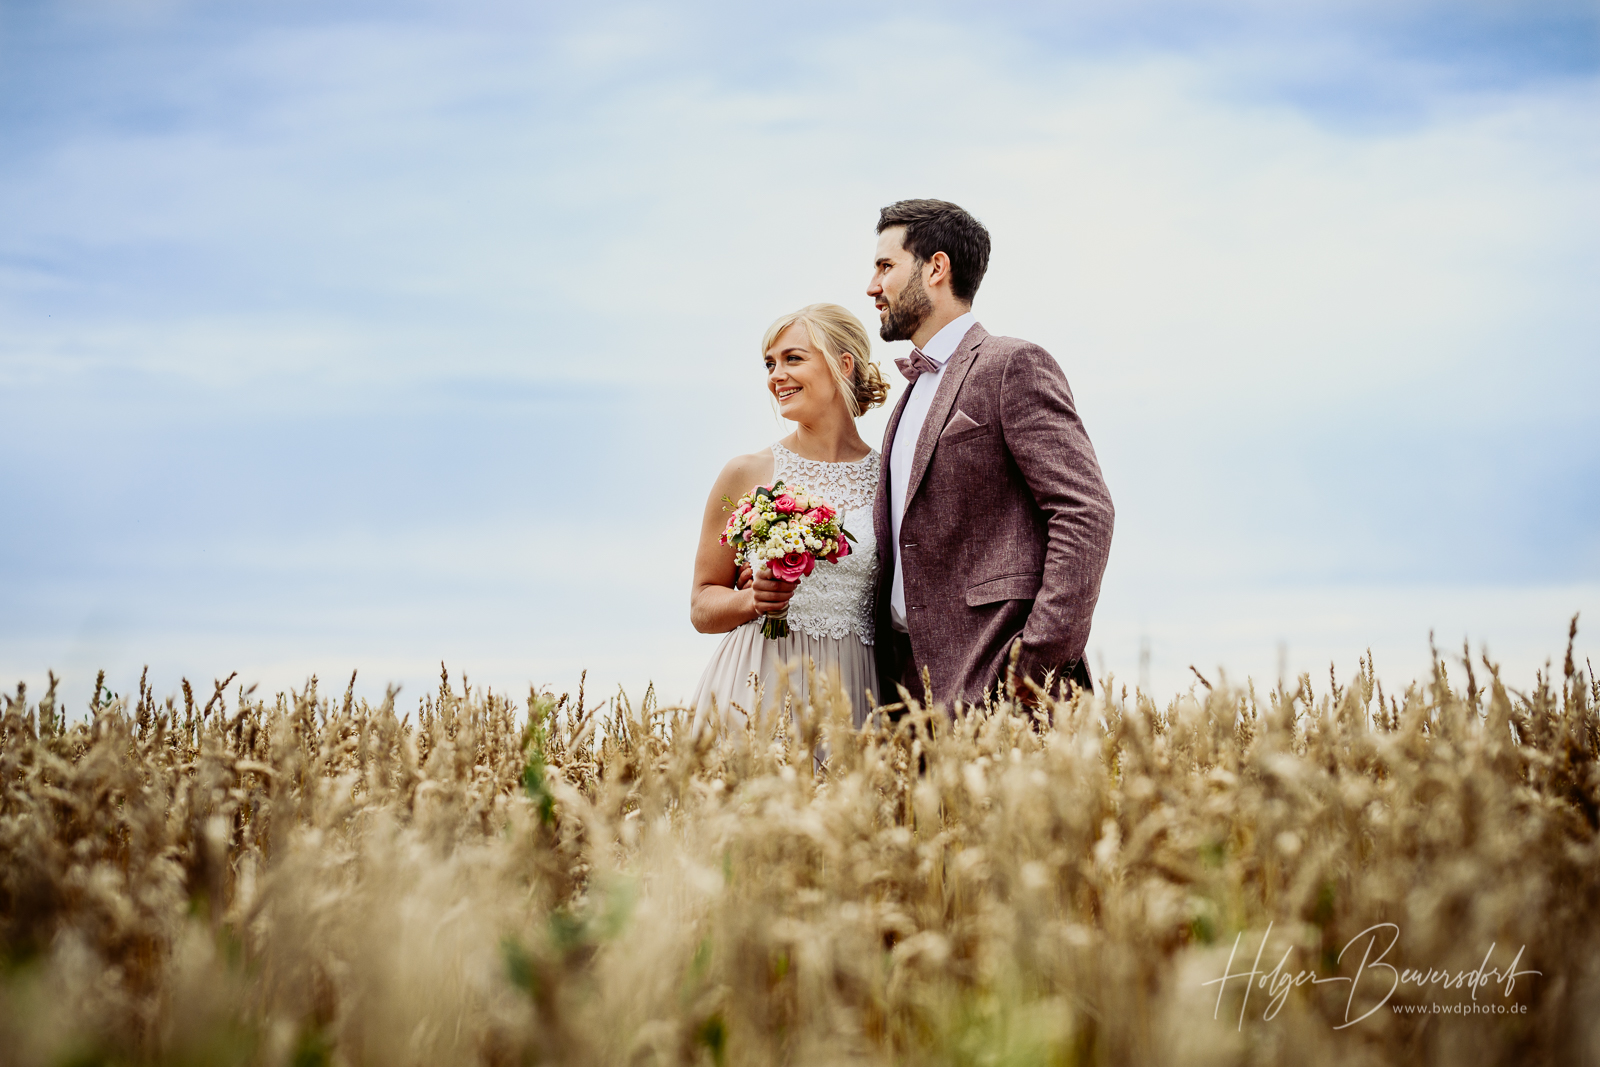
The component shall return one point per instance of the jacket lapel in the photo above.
(881, 525)
(955, 372)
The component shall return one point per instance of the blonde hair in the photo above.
(833, 332)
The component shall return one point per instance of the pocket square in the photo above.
(959, 423)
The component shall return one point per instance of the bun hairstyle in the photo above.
(833, 332)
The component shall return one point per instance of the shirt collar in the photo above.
(942, 345)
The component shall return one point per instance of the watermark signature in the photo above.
(1375, 976)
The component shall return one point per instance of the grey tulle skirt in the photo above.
(746, 660)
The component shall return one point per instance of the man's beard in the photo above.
(903, 319)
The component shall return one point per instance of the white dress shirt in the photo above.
(903, 449)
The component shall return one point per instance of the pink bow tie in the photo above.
(915, 365)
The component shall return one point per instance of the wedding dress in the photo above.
(830, 615)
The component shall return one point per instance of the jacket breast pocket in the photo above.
(965, 433)
(1006, 587)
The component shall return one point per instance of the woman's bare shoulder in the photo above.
(745, 472)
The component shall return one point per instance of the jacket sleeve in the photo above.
(1047, 441)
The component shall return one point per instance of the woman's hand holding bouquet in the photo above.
(787, 529)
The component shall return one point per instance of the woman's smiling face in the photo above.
(799, 377)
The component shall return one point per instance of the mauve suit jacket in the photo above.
(1006, 529)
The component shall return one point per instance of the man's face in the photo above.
(897, 288)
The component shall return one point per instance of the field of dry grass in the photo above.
(1307, 876)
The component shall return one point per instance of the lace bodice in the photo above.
(836, 598)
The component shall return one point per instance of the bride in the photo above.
(820, 371)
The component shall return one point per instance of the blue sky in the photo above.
(342, 336)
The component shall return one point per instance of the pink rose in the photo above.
(841, 549)
(744, 509)
(793, 567)
(786, 504)
(819, 514)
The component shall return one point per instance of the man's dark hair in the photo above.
(940, 226)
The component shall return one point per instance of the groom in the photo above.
(993, 521)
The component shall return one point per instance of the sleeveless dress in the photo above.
(830, 615)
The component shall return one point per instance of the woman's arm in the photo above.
(715, 605)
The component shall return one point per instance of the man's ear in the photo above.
(940, 275)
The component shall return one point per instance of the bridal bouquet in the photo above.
(788, 528)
